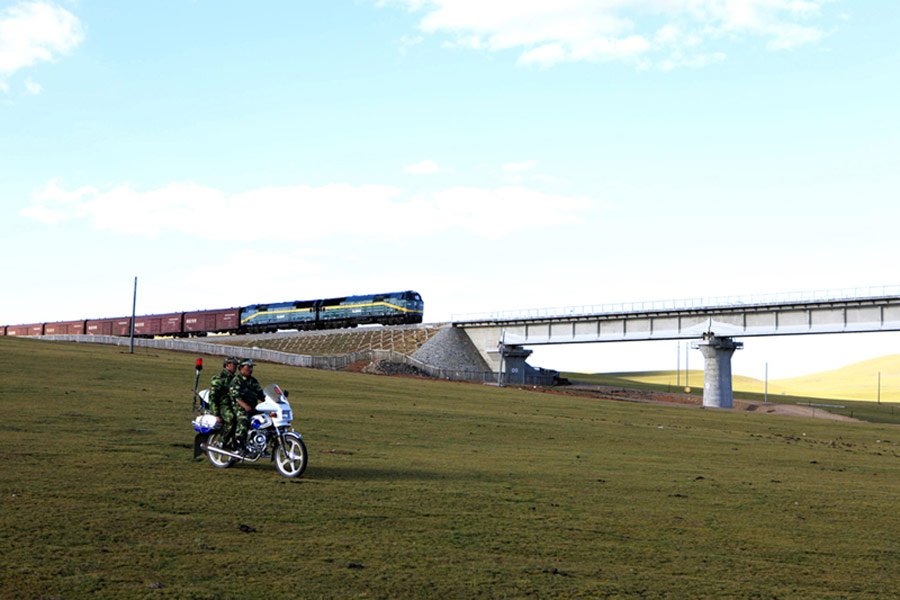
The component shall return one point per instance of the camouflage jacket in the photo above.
(218, 387)
(246, 389)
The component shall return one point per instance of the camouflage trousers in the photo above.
(226, 411)
(241, 422)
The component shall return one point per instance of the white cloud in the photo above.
(639, 32)
(407, 42)
(53, 205)
(33, 87)
(367, 211)
(507, 210)
(547, 179)
(519, 167)
(679, 59)
(517, 172)
(34, 32)
(270, 266)
(426, 167)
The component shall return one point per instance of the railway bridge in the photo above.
(502, 338)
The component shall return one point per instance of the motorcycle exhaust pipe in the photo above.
(254, 459)
(206, 447)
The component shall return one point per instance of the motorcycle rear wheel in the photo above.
(217, 460)
(291, 462)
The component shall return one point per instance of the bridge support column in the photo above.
(717, 390)
(513, 363)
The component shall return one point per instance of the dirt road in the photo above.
(689, 401)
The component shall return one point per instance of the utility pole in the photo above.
(767, 383)
(133, 308)
(687, 374)
(678, 369)
(502, 352)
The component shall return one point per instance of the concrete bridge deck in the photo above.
(789, 318)
(503, 337)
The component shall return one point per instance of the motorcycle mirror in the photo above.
(285, 392)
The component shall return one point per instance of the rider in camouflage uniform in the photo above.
(245, 393)
(219, 399)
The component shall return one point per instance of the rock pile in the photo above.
(451, 349)
(389, 367)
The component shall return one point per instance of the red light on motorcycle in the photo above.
(273, 415)
(199, 363)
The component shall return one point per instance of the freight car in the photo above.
(202, 322)
(115, 326)
(20, 330)
(330, 313)
(73, 327)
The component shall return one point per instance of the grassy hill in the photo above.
(858, 381)
(427, 489)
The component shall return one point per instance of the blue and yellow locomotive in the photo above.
(329, 313)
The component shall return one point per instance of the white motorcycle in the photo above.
(270, 435)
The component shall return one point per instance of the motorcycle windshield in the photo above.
(274, 393)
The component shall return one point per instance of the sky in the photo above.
(492, 155)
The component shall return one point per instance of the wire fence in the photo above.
(330, 363)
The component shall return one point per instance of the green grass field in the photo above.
(658, 381)
(427, 489)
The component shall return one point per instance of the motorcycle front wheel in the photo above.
(291, 458)
(217, 460)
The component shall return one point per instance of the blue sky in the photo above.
(491, 155)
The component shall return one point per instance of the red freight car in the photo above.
(116, 326)
(222, 320)
(65, 327)
(20, 330)
(150, 325)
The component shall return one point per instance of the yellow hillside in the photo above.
(858, 381)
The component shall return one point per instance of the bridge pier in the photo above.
(717, 351)
(513, 367)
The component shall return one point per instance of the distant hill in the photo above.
(858, 381)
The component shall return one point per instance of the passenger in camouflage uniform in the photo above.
(245, 393)
(220, 400)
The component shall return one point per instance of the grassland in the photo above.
(867, 381)
(875, 412)
(427, 489)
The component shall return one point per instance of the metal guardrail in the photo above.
(682, 304)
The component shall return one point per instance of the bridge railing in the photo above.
(682, 304)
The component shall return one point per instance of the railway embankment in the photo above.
(430, 350)
(405, 339)
(437, 350)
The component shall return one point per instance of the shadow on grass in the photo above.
(344, 473)
(350, 473)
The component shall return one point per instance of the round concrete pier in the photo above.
(717, 390)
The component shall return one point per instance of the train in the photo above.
(393, 308)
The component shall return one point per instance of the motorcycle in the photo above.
(270, 435)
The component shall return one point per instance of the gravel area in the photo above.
(451, 348)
